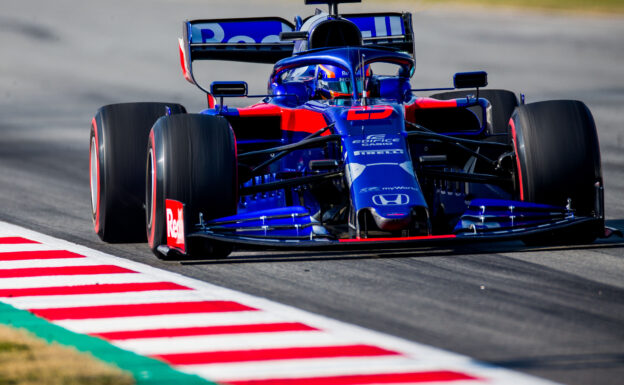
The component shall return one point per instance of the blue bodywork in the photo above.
(380, 175)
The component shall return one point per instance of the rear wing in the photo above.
(257, 40)
(254, 40)
(390, 30)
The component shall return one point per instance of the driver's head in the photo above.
(332, 82)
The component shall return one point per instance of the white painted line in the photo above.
(94, 326)
(307, 368)
(26, 247)
(413, 356)
(157, 346)
(72, 280)
(144, 297)
(30, 263)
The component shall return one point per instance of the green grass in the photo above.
(28, 360)
(141, 370)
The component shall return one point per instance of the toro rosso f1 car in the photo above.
(340, 152)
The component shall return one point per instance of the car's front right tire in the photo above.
(117, 145)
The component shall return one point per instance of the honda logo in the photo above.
(391, 199)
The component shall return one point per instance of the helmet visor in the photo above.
(340, 86)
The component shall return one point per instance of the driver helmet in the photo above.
(332, 82)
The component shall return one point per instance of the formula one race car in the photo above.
(340, 152)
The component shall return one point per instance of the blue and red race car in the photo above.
(340, 152)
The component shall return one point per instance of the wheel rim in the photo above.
(93, 168)
(150, 188)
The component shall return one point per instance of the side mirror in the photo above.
(470, 79)
(294, 35)
(228, 89)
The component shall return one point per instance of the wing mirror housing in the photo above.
(228, 89)
(470, 79)
(295, 35)
(232, 89)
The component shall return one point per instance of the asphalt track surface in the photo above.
(556, 313)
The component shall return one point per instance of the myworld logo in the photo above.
(391, 199)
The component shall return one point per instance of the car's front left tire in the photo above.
(558, 161)
(191, 158)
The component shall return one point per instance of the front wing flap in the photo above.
(313, 242)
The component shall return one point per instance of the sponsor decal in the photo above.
(365, 190)
(174, 212)
(400, 188)
(369, 113)
(391, 199)
(369, 189)
(331, 74)
(378, 25)
(354, 170)
(378, 152)
(376, 140)
(232, 32)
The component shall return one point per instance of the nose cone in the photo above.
(391, 220)
(411, 221)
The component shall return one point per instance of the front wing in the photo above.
(430, 240)
(484, 221)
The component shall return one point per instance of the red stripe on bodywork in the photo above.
(211, 100)
(307, 121)
(363, 379)
(207, 331)
(275, 354)
(515, 143)
(92, 289)
(15, 241)
(43, 254)
(369, 113)
(426, 103)
(138, 310)
(64, 270)
(419, 238)
(260, 109)
(183, 62)
(294, 120)
(433, 103)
